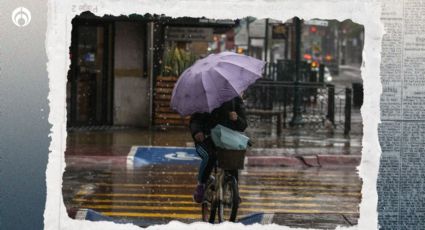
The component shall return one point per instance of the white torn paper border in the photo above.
(61, 12)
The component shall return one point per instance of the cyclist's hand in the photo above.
(199, 136)
(233, 116)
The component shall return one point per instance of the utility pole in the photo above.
(248, 52)
(297, 117)
(266, 41)
(286, 42)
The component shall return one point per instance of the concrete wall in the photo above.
(131, 89)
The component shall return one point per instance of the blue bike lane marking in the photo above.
(89, 214)
(140, 156)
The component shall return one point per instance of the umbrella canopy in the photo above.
(213, 80)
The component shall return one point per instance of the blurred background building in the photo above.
(123, 68)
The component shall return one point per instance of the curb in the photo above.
(89, 161)
(346, 160)
(264, 161)
(305, 161)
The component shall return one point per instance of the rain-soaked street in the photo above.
(153, 195)
(293, 87)
(97, 178)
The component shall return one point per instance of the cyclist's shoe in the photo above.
(198, 196)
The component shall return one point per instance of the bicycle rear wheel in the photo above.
(228, 207)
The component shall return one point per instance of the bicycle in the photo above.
(222, 191)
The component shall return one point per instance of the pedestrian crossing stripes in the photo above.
(323, 174)
(262, 191)
(303, 203)
(162, 196)
(259, 198)
(253, 180)
(347, 194)
(154, 215)
(196, 209)
(243, 184)
(197, 216)
(319, 179)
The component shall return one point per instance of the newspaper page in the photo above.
(400, 182)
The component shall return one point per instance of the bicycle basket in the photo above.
(226, 138)
(230, 159)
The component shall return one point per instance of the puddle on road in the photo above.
(153, 194)
(157, 194)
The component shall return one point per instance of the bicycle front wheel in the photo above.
(228, 206)
(208, 211)
(209, 205)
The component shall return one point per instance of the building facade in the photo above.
(115, 62)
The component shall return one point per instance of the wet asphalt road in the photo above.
(348, 74)
(157, 194)
(96, 178)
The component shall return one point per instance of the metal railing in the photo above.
(284, 70)
(270, 105)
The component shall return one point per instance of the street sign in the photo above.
(257, 28)
(316, 23)
(188, 34)
(279, 31)
(217, 21)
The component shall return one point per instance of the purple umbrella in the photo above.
(213, 80)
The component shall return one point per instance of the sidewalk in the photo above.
(111, 147)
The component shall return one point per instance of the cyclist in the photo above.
(230, 114)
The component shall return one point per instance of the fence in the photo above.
(284, 70)
(273, 105)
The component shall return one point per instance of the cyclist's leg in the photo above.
(206, 152)
(199, 191)
(205, 162)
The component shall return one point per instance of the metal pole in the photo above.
(150, 61)
(286, 42)
(322, 73)
(347, 122)
(266, 41)
(331, 103)
(248, 52)
(297, 118)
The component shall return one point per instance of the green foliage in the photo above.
(175, 61)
